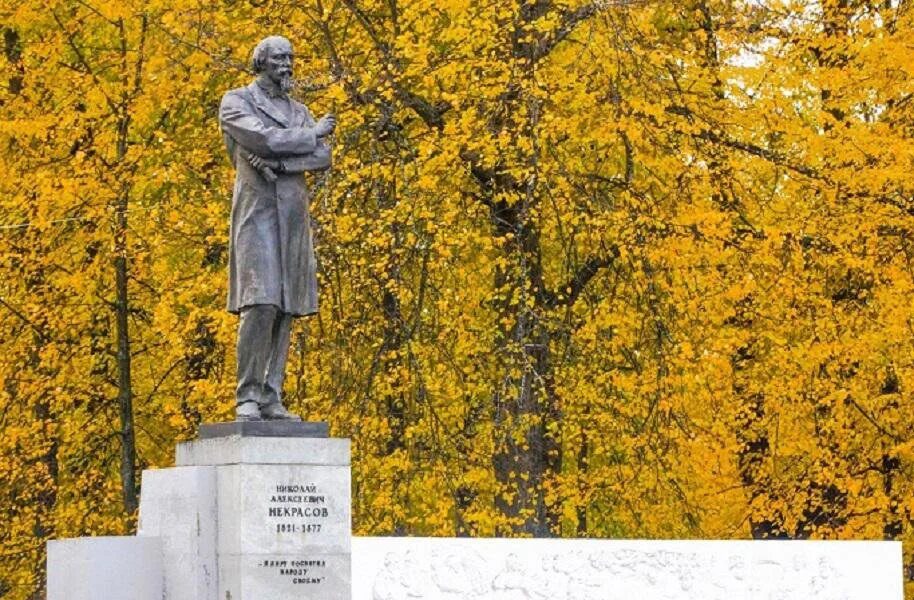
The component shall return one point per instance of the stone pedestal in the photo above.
(105, 568)
(178, 506)
(246, 515)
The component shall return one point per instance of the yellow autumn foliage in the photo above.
(603, 268)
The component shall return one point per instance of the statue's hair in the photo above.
(260, 51)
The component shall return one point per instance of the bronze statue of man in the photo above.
(271, 140)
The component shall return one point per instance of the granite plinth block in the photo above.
(235, 449)
(318, 429)
(105, 568)
(178, 505)
(273, 512)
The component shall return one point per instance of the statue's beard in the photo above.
(286, 83)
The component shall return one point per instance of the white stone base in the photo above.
(105, 568)
(253, 518)
(565, 569)
(178, 505)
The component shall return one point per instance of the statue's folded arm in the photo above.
(247, 129)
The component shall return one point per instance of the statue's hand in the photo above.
(259, 163)
(325, 125)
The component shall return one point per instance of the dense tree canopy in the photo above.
(618, 268)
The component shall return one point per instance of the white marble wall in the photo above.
(536, 569)
(105, 568)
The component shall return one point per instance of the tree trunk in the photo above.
(752, 434)
(524, 453)
(124, 388)
(122, 312)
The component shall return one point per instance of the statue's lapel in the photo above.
(264, 104)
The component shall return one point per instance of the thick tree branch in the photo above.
(629, 158)
(750, 148)
(898, 201)
(570, 21)
(488, 178)
(759, 151)
(431, 114)
(41, 331)
(71, 41)
(140, 59)
(572, 289)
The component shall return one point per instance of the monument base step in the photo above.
(105, 568)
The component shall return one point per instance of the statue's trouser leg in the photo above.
(255, 343)
(276, 368)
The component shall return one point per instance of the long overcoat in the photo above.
(271, 253)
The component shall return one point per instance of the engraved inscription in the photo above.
(297, 508)
(298, 571)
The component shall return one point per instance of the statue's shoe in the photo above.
(277, 412)
(247, 411)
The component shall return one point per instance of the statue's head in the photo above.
(272, 58)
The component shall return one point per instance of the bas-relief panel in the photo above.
(527, 570)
